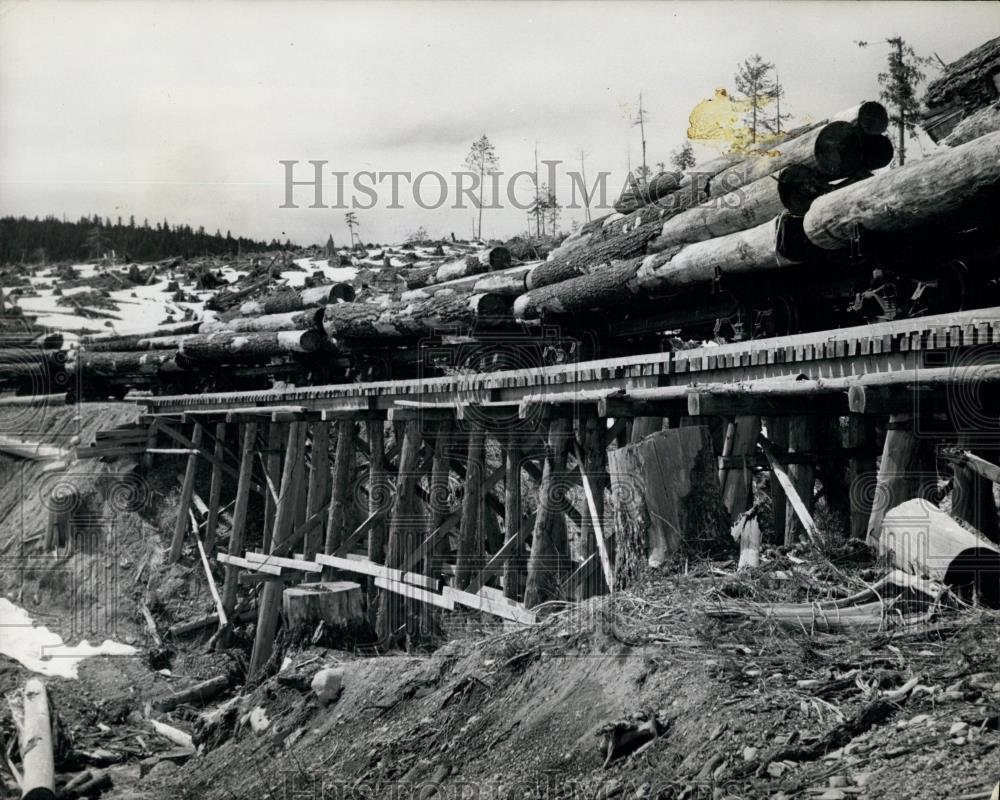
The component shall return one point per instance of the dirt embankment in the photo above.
(648, 694)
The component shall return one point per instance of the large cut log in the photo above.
(229, 346)
(834, 149)
(869, 117)
(920, 538)
(285, 300)
(793, 188)
(513, 276)
(446, 311)
(489, 260)
(130, 362)
(937, 188)
(37, 759)
(667, 499)
(504, 284)
(598, 252)
(111, 341)
(774, 244)
(613, 286)
(289, 321)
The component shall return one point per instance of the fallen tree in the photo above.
(285, 300)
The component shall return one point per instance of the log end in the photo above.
(838, 150)
(872, 117)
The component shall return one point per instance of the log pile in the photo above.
(966, 87)
(797, 207)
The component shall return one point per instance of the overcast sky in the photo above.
(183, 110)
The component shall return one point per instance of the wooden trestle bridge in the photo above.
(555, 425)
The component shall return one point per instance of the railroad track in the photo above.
(911, 344)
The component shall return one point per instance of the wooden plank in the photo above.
(415, 593)
(498, 608)
(236, 537)
(242, 563)
(187, 490)
(280, 561)
(602, 548)
(362, 566)
(794, 499)
(215, 487)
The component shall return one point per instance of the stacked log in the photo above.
(445, 311)
(597, 253)
(125, 362)
(255, 346)
(489, 260)
(939, 188)
(306, 319)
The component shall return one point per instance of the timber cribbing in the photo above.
(901, 345)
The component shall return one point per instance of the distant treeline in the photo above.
(24, 240)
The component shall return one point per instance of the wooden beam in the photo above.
(795, 500)
(801, 436)
(318, 492)
(215, 488)
(284, 517)
(926, 391)
(979, 465)
(341, 497)
(471, 537)
(595, 521)
(187, 490)
(362, 566)
(271, 464)
(741, 440)
(895, 481)
(415, 593)
(498, 608)
(547, 542)
(301, 564)
(770, 398)
(513, 575)
(248, 434)
(860, 471)
(239, 562)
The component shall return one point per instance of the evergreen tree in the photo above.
(482, 158)
(753, 81)
(682, 159)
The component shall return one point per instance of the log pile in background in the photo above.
(966, 86)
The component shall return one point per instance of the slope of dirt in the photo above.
(651, 693)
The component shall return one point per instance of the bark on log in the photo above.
(502, 284)
(489, 260)
(936, 188)
(132, 362)
(793, 188)
(984, 121)
(445, 310)
(285, 300)
(472, 534)
(108, 341)
(230, 346)
(37, 759)
(833, 149)
(599, 252)
(306, 319)
(920, 538)
(198, 693)
(615, 285)
(764, 247)
(965, 85)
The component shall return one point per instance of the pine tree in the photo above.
(754, 83)
(900, 81)
(682, 159)
(482, 158)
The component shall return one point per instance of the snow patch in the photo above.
(43, 651)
